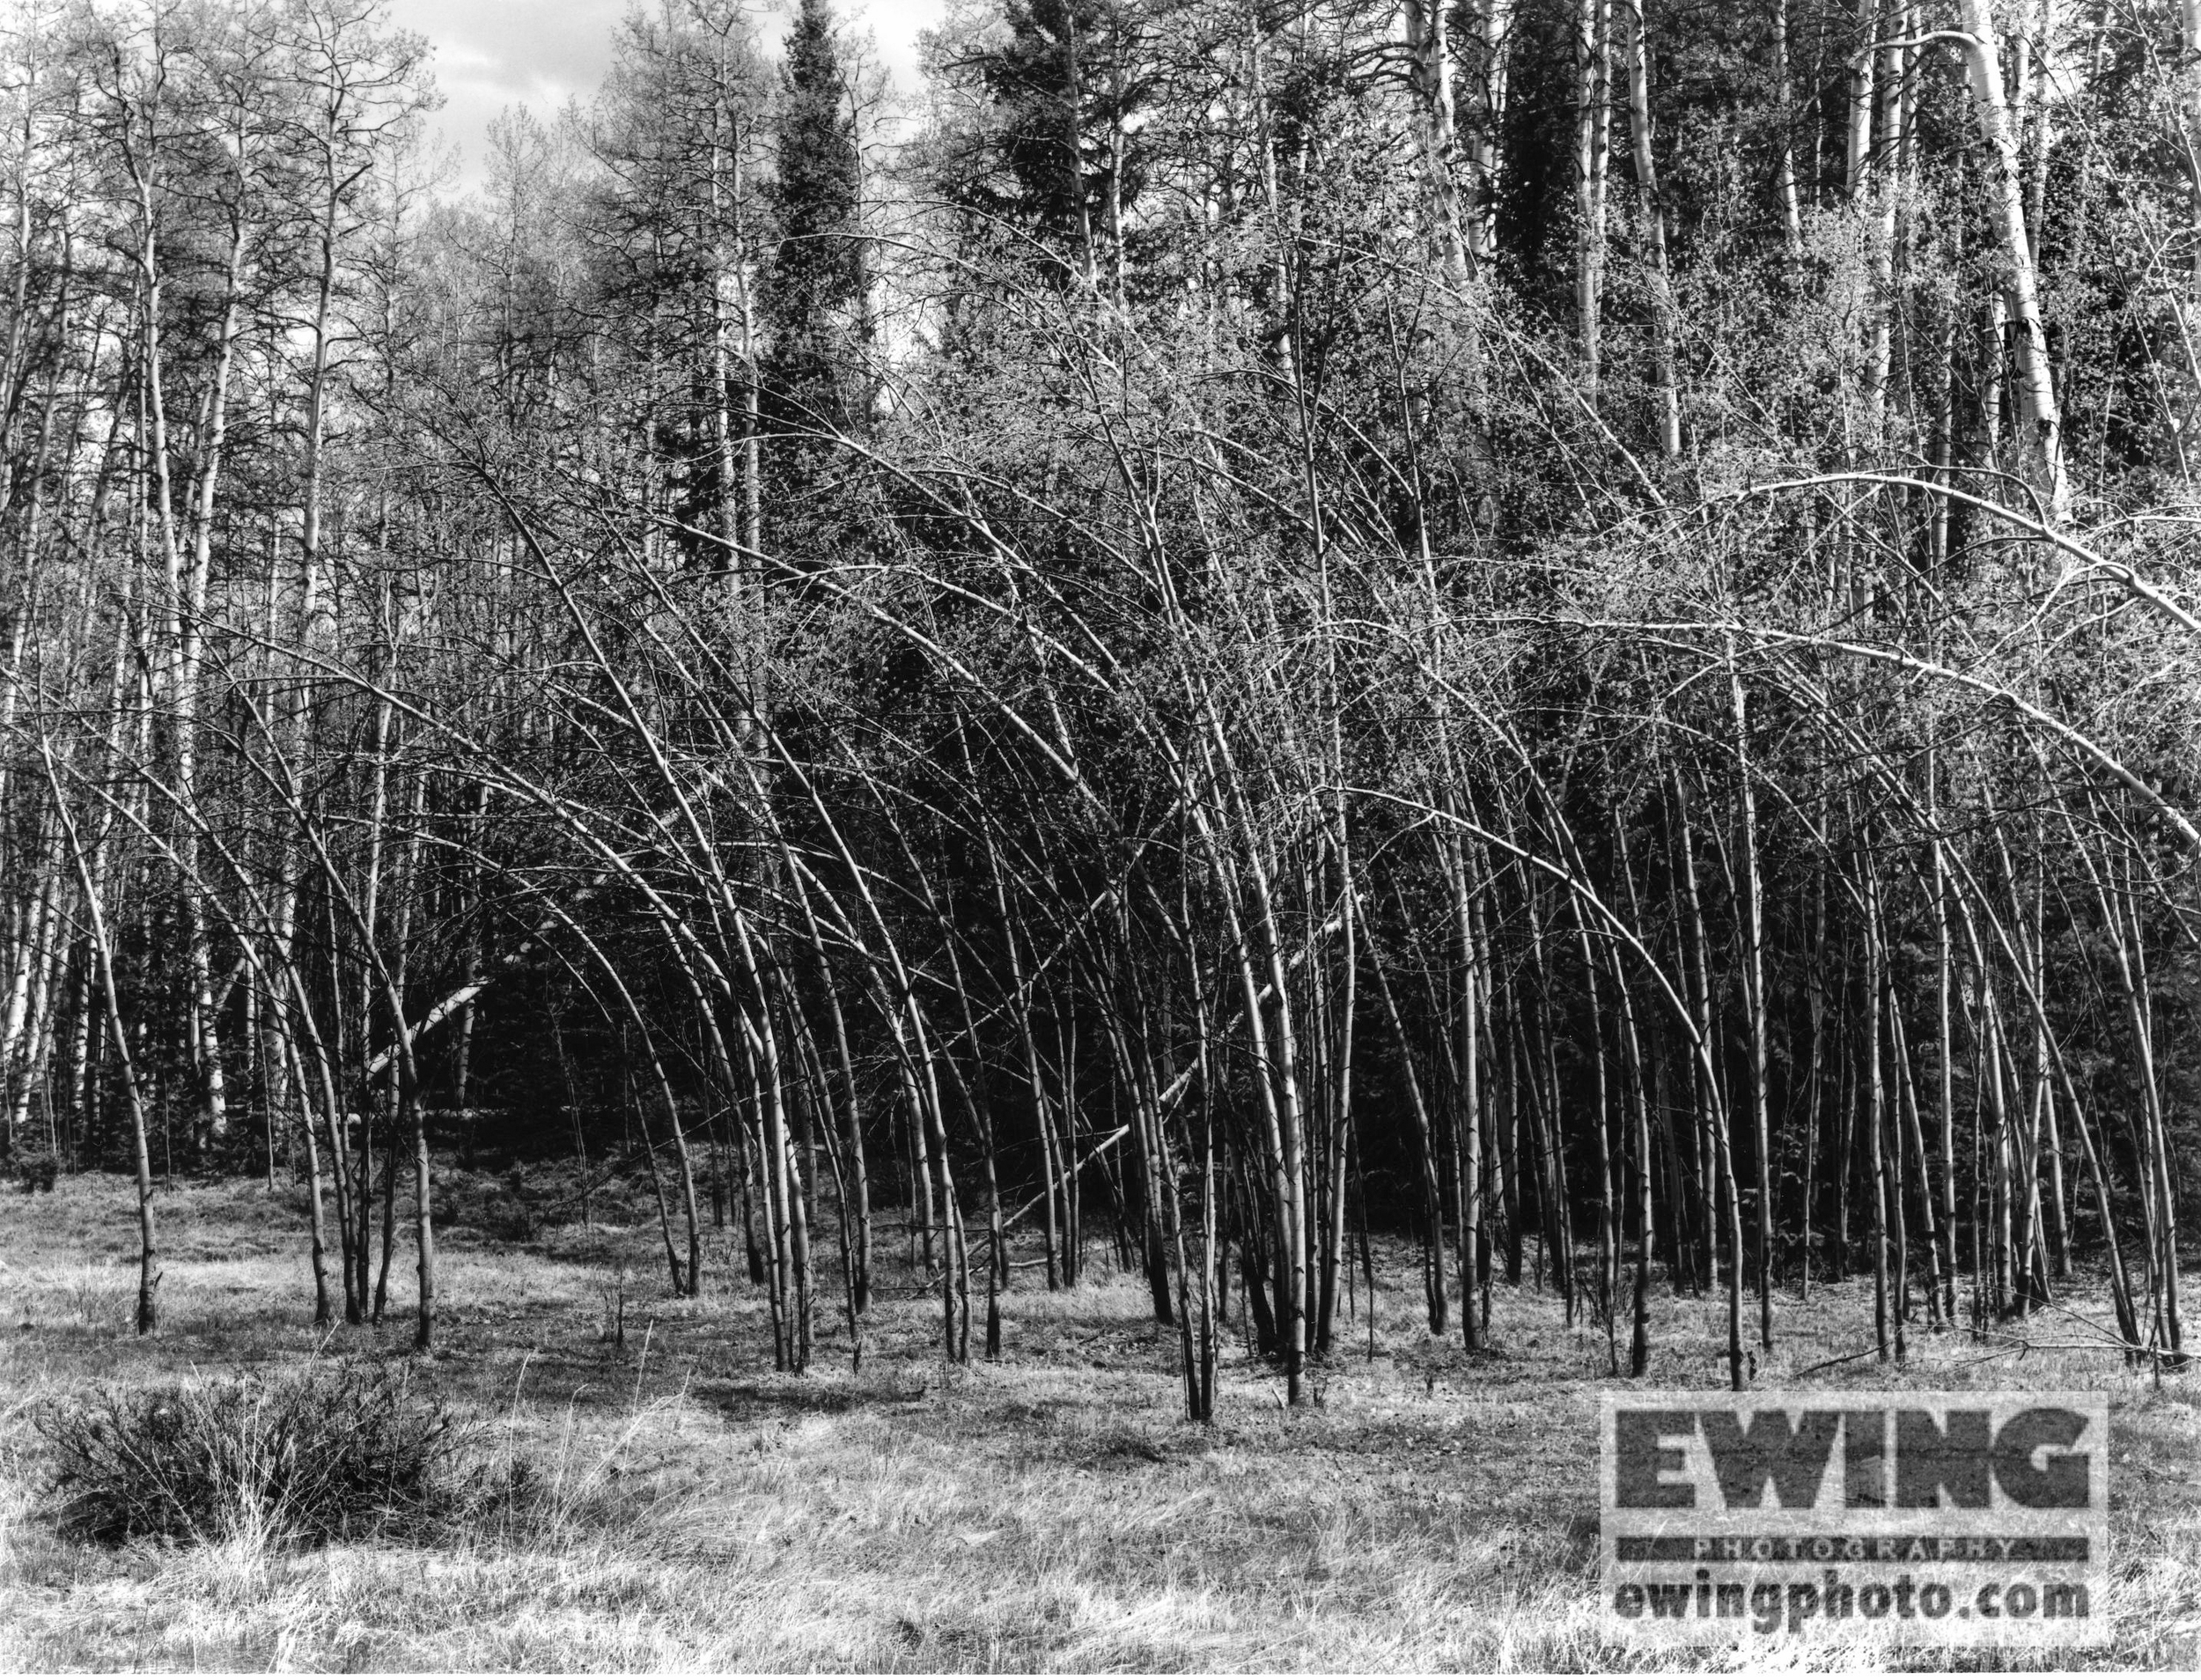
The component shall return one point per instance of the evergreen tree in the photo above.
(1060, 154)
(813, 291)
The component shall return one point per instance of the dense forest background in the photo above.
(1558, 627)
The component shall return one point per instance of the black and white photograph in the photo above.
(1099, 836)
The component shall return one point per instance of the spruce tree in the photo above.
(1066, 85)
(813, 293)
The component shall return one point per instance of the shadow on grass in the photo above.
(749, 1401)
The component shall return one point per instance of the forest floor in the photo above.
(1048, 1510)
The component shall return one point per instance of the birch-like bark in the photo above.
(1651, 214)
(1593, 121)
(1429, 57)
(2005, 185)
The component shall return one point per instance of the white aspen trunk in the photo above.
(2006, 188)
(1994, 345)
(1882, 196)
(292, 733)
(1785, 167)
(23, 961)
(1592, 130)
(1864, 71)
(1271, 193)
(751, 470)
(2041, 92)
(1492, 20)
(206, 1043)
(33, 518)
(1652, 215)
(28, 1058)
(1118, 140)
(731, 527)
(2188, 306)
(1074, 150)
(170, 672)
(26, 137)
(1430, 55)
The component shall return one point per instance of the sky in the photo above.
(491, 54)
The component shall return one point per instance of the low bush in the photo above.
(341, 1451)
(523, 1202)
(501, 1209)
(34, 1170)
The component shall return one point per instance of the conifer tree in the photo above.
(813, 293)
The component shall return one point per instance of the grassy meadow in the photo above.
(1046, 1510)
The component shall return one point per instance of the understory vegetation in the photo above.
(328, 1452)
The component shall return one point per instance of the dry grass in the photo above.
(1047, 1511)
